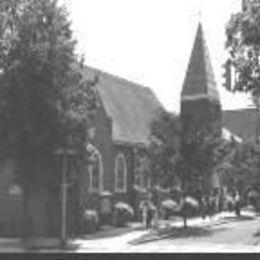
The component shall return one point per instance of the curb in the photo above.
(37, 244)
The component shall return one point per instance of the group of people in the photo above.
(148, 210)
(210, 205)
(234, 202)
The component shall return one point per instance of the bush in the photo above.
(189, 208)
(169, 207)
(229, 203)
(169, 204)
(123, 214)
(91, 221)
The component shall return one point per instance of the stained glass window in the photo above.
(95, 169)
(120, 174)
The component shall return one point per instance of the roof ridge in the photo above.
(200, 37)
(132, 107)
(118, 78)
(239, 109)
(208, 65)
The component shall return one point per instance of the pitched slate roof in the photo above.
(229, 136)
(200, 81)
(131, 107)
(241, 122)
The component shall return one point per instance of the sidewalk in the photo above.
(109, 237)
(138, 236)
(11, 245)
(167, 228)
(198, 221)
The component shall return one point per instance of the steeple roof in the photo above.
(200, 81)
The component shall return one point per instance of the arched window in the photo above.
(95, 169)
(120, 174)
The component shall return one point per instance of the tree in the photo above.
(45, 102)
(155, 164)
(44, 98)
(243, 46)
(202, 150)
(244, 167)
(163, 150)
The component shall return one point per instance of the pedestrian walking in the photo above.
(205, 206)
(237, 203)
(252, 197)
(148, 211)
(212, 203)
(230, 202)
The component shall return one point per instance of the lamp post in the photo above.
(64, 186)
(61, 154)
(64, 154)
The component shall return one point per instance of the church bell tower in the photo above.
(200, 102)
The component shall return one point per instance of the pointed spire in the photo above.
(200, 81)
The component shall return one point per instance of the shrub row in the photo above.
(123, 213)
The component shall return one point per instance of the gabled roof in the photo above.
(131, 107)
(199, 81)
(242, 122)
(229, 136)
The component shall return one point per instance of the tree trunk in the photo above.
(27, 222)
(185, 222)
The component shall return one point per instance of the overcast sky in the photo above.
(150, 41)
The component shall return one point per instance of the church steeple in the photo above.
(200, 82)
(200, 109)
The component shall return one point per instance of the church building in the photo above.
(121, 127)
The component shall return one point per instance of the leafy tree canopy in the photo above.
(158, 161)
(202, 150)
(164, 148)
(243, 45)
(244, 167)
(43, 97)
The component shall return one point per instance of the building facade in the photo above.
(121, 128)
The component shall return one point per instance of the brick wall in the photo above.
(103, 142)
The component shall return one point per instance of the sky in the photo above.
(150, 41)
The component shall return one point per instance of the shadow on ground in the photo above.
(175, 233)
(240, 218)
(257, 234)
(110, 232)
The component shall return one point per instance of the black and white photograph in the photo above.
(129, 126)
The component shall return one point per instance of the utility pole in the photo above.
(64, 187)
(63, 156)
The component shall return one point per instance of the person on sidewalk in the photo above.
(212, 203)
(237, 203)
(205, 206)
(230, 202)
(252, 197)
(148, 210)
